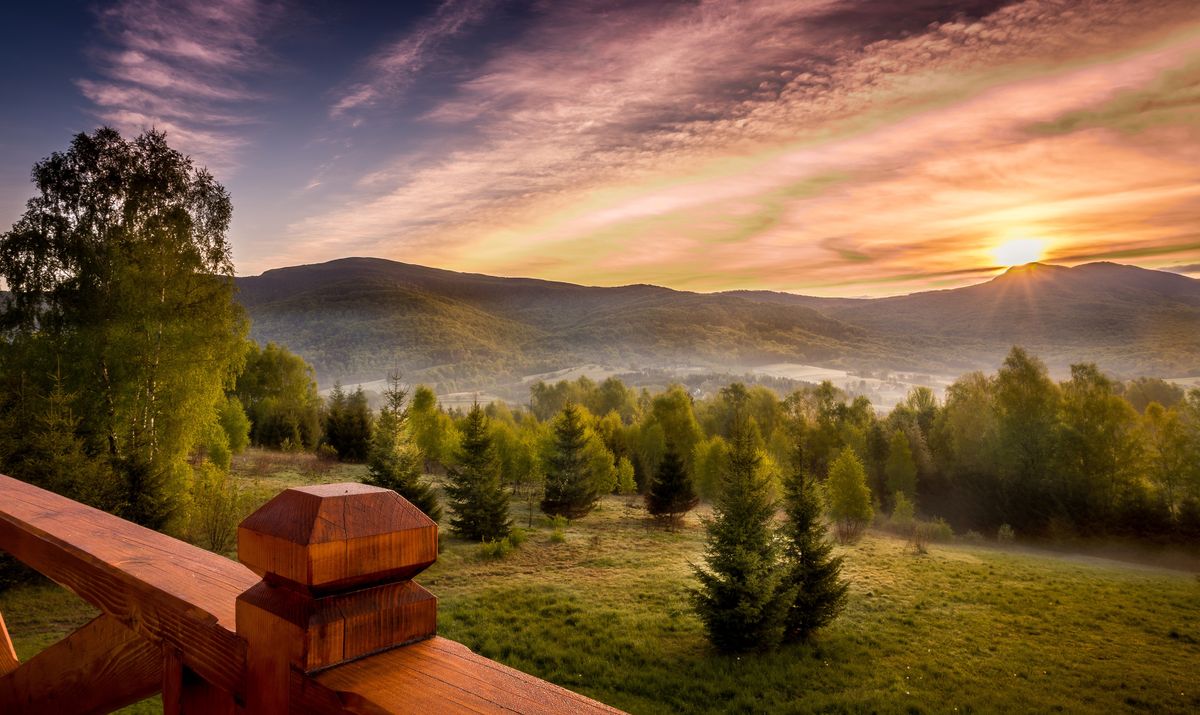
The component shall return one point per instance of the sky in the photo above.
(828, 147)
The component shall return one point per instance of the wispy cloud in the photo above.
(182, 67)
(394, 68)
(792, 145)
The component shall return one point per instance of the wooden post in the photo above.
(336, 562)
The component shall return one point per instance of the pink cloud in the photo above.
(180, 66)
(675, 142)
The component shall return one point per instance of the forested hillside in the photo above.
(357, 318)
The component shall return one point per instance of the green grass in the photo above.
(966, 628)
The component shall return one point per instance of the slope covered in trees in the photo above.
(356, 318)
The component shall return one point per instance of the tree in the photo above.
(741, 599)
(571, 484)
(813, 573)
(434, 431)
(849, 496)
(625, 477)
(671, 493)
(348, 424)
(394, 462)
(278, 391)
(1173, 460)
(1099, 451)
(119, 271)
(234, 423)
(1027, 404)
(478, 498)
(901, 470)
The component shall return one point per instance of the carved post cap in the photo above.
(335, 537)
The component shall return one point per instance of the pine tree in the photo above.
(571, 488)
(672, 493)
(812, 570)
(741, 599)
(476, 494)
(394, 462)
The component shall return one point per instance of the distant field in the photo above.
(964, 628)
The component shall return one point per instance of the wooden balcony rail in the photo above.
(320, 616)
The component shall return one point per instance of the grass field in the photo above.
(963, 628)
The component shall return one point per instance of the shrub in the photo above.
(494, 550)
(903, 513)
(1005, 534)
(517, 537)
(940, 531)
(973, 537)
(559, 524)
(918, 541)
(217, 507)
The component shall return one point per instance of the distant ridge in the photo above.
(356, 318)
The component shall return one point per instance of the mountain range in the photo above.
(355, 319)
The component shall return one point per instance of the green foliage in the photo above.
(473, 485)
(625, 477)
(1099, 450)
(742, 600)
(848, 496)
(217, 508)
(349, 425)
(903, 513)
(901, 470)
(40, 444)
(278, 391)
(1027, 404)
(393, 461)
(671, 493)
(234, 423)
(574, 467)
(434, 432)
(120, 281)
(709, 461)
(813, 573)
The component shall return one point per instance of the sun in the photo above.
(1019, 251)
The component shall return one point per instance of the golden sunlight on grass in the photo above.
(1019, 251)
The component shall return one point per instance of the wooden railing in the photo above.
(320, 616)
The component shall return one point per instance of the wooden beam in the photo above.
(97, 669)
(8, 654)
(168, 591)
(185, 693)
(436, 675)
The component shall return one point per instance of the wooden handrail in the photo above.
(322, 617)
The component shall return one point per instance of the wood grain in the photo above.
(440, 675)
(165, 590)
(8, 654)
(97, 669)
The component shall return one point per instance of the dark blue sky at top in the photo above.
(313, 49)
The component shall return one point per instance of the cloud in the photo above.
(1185, 268)
(783, 144)
(392, 69)
(182, 67)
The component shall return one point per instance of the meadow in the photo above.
(965, 627)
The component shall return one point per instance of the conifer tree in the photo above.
(571, 488)
(479, 500)
(672, 493)
(394, 462)
(741, 598)
(812, 570)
